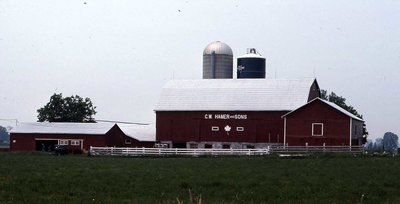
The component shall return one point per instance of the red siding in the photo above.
(336, 128)
(27, 142)
(185, 126)
(114, 137)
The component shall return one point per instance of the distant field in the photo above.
(36, 178)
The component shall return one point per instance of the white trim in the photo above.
(75, 142)
(351, 127)
(128, 139)
(62, 142)
(47, 139)
(312, 129)
(239, 129)
(284, 132)
(214, 128)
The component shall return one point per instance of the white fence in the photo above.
(125, 151)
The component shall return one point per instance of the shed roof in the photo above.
(145, 133)
(63, 128)
(333, 105)
(135, 131)
(234, 94)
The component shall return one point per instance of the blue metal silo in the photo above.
(251, 65)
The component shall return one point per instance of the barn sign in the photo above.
(226, 116)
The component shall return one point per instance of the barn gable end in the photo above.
(322, 123)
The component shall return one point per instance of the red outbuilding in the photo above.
(79, 136)
(320, 123)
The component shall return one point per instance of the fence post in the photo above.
(268, 149)
(306, 146)
(324, 147)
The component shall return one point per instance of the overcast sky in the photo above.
(121, 53)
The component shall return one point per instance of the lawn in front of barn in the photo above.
(42, 178)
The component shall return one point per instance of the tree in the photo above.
(390, 142)
(68, 109)
(341, 101)
(4, 136)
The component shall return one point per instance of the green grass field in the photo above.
(37, 178)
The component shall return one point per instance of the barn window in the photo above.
(226, 146)
(215, 128)
(317, 129)
(128, 141)
(75, 142)
(63, 142)
(240, 129)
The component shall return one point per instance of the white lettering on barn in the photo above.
(226, 116)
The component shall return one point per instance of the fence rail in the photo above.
(125, 151)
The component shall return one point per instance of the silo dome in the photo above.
(219, 48)
(217, 61)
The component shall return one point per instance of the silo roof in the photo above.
(234, 94)
(219, 48)
(251, 55)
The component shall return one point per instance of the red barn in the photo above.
(320, 122)
(229, 113)
(79, 136)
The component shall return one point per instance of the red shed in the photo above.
(319, 123)
(79, 136)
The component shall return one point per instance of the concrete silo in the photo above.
(217, 61)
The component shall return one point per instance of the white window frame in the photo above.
(240, 129)
(128, 141)
(75, 142)
(214, 128)
(63, 142)
(322, 129)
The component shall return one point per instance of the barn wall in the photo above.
(357, 132)
(115, 137)
(195, 126)
(299, 126)
(27, 142)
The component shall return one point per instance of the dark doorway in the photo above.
(250, 146)
(45, 145)
(179, 145)
(208, 146)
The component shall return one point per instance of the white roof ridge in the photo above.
(333, 105)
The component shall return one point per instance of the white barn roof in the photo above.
(146, 133)
(135, 131)
(234, 94)
(63, 128)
